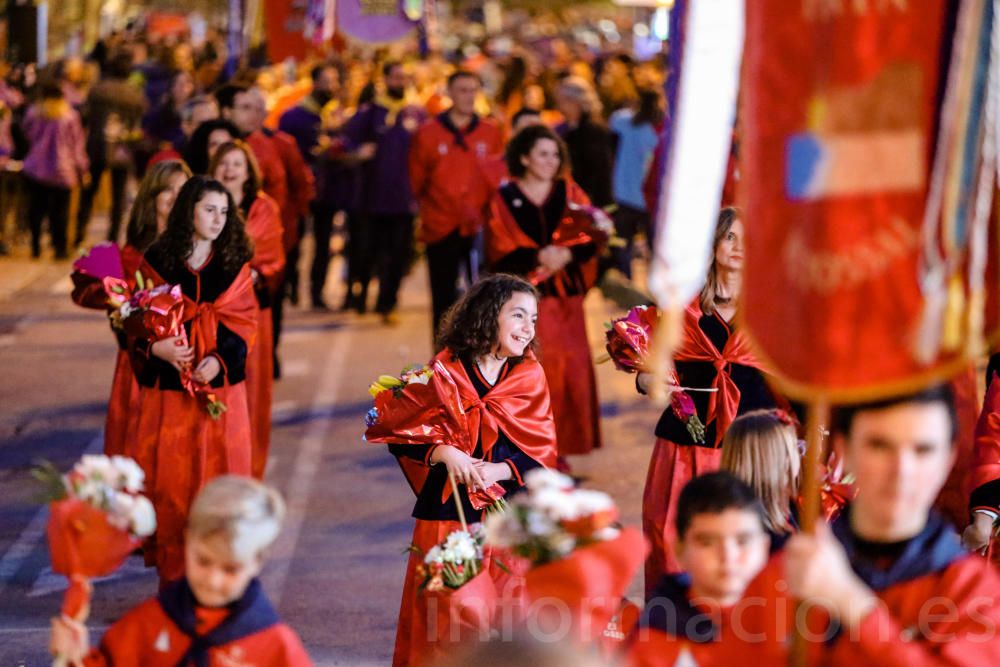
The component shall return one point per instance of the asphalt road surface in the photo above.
(336, 572)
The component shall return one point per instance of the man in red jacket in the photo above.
(888, 582)
(452, 187)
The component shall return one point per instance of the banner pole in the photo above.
(817, 419)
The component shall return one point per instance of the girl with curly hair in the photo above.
(234, 166)
(534, 232)
(486, 340)
(157, 192)
(179, 444)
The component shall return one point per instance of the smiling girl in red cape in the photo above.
(486, 351)
(234, 166)
(179, 445)
(148, 218)
(714, 355)
(533, 232)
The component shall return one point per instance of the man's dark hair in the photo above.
(522, 143)
(390, 65)
(463, 74)
(844, 416)
(316, 72)
(521, 113)
(226, 95)
(715, 493)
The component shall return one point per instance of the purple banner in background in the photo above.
(373, 21)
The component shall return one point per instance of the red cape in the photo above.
(264, 227)
(518, 405)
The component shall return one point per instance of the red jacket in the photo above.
(447, 173)
(301, 185)
(147, 636)
(946, 612)
(272, 169)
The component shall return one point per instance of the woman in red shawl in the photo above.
(533, 232)
(180, 447)
(234, 166)
(486, 343)
(714, 355)
(148, 219)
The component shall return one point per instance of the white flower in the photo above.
(143, 519)
(604, 534)
(125, 310)
(460, 547)
(96, 467)
(539, 524)
(591, 502)
(130, 475)
(120, 509)
(91, 490)
(562, 543)
(556, 504)
(434, 555)
(543, 478)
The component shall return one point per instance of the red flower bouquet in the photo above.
(628, 341)
(422, 407)
(97, 517)
(156, 312)
(579, 559)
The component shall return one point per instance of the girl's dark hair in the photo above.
(254, 180)
(522, 143)
(177, 240)
(196, 150)
(649, 111)
(470, 327)
(142, 230)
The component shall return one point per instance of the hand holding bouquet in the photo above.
(97, 517)
(628, 341)
(422, 406)
(156, 312)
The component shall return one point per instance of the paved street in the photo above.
(336, 573)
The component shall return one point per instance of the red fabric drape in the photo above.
(264, 227)
(697, 346)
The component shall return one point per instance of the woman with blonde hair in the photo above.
(715, 359)
(148, 219)
(762, 448)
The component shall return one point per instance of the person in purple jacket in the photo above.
(379, 134)
(55, 164)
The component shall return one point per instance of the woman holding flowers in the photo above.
(234, 166)
(715, 359)
(148, 219)
(192, 423)
(501, 426)
(534, 232)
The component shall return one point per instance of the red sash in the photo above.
(264, 227)
(697, 346)
(236, 308)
